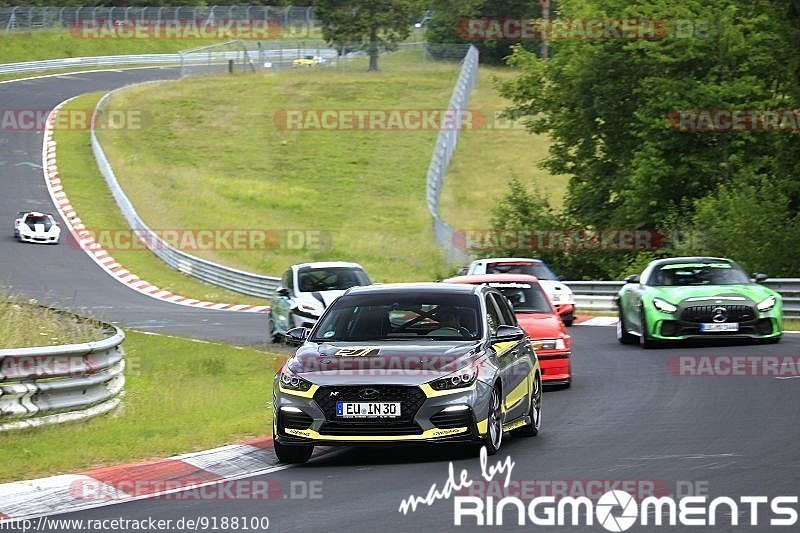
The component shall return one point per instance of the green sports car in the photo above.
(683, 298)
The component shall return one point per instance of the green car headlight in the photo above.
(664, 306)
(767, 304)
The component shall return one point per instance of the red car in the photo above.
(538, 317)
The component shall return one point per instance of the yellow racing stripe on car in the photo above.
(303, 394)
(503, 347)
(431, 393)
(427, 434)
(518, 393)
(483, 426)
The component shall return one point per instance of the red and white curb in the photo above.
(95, 251)
(595, 321)
(197, 475)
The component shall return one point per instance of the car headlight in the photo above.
(457, 380)
(664, 306)
(767, 304)
(293, 382)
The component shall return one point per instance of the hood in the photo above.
(675, 295)
(405, 363)
(541, 325)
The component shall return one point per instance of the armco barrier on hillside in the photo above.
(443, 153)
(57, 384)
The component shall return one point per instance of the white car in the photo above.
(559, 293)
(33, 226)
(306, 290)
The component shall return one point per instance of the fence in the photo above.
(599, 295)
(295, 21)
(56, 384)
(207, 271)
(443, 153)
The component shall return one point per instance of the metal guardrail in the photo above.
(57, 384)
(292, 18)
(201, 269)
(443, 152)
(186, 59)
(599, 295)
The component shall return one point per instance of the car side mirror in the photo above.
(759, 277)
(633, 278)
(283, 291)
(296, 336)
(508, 333)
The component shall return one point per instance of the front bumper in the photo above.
(555, 366)
(675, 329)
(422, 419)
(41, 239)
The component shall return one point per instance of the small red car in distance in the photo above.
(538, 317)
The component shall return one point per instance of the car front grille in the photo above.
(411, 399)
(705, 313)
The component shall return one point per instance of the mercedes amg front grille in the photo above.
(718, 313)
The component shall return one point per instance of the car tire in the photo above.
(622, 330)
(494, 423)
(645, 339)
(293, 454)
(534, 413)
(772, 340)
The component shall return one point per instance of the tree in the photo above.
(366, 24)
(449, 16)
(605, 104)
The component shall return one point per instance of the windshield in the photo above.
(531, 268)
(684, 274)
(395, 316)
(33, 220)
(525, 297)
(331, 279)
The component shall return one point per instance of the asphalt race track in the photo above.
(626, 419)
(64, 275)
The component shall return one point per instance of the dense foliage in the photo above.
(606, 104)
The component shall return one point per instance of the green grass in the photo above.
(211, 157)
(25, 325)
(181, 396)
(97, 209)
(487, 158)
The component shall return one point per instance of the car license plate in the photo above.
(727, 326)
(368, 409)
